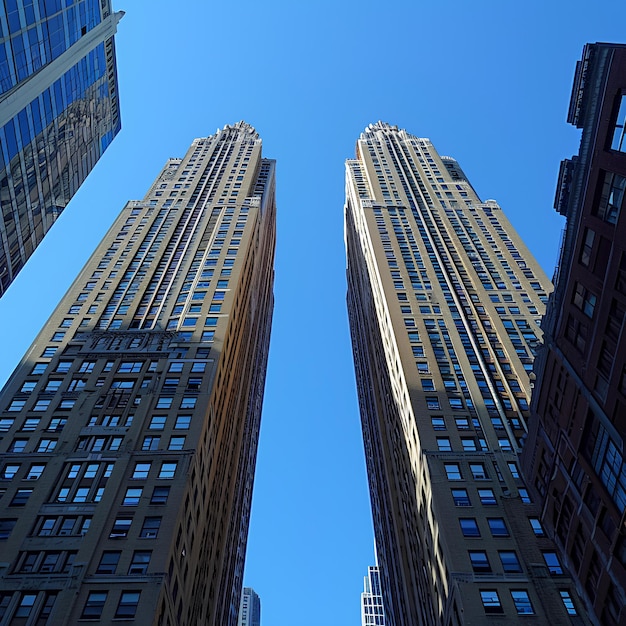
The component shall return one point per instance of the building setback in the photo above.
(575, 454)
(59, 110)
(444, 302)
(250, 609)
(130, 428)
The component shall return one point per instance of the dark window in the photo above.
(121, 526)
(6, 526)
(611, 197)
(497, 526)
(479, 561)
(584, 300)
(94, 605)
(108, 562)
(460, 497)
(150, 528)
(140, 562)
(160, 495)
(510, 562)
(127, 606)
(469, 527)
(619, 129)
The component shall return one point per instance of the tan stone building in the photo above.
(445, 302)
(129, 430)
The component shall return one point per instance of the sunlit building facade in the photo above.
(444, 302)
(372, 610)
(129, 430)
(575, 455)
(59, 110)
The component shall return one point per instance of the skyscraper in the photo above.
(250, 609)
(444, 302)
(130, 428)
(372, 610)
(59, 110)
(575, 453)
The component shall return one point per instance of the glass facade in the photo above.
(60, 70)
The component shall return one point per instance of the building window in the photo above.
(479, 561)
(26, 604)
(453, 471)
(108, 562)
(428, 384)
(127, 606)
(21, 497)
(150, 443)
(491, 601)
(553, 563)
(182, 422)
(443, 444)
(478, 471)
(188, 403)
(514, 469)
(132, 497)
(468, 443)
(158, 422)
(611, 197)
(164, 402)
(487, 497)
(469, 527)
(522, 602)
(510, 562)
(460, 497)
(176, 443)
(140, 562)
(35, 471)
(16, 405)
(587, 247)
(6, 423)
(141, 470)
(6, 527)
(523, 494)
(94, 605)
(121, 526)
(608, 462)
(462, 423)
(497, 526)
(432, 403)
(536, 526)
(46, 445)
(168, 469)
(18, 445)
(160, 495)
(568, 603)
(619, 130)
(9, 471)
(150, 528)
(584, 300)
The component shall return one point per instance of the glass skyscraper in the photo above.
(250, 609)
(59, 110)
(129, 431)
(444, 302)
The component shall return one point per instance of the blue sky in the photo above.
(488, 82)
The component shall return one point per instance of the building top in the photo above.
(589, 79)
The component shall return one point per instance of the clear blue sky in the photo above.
(487, 81)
